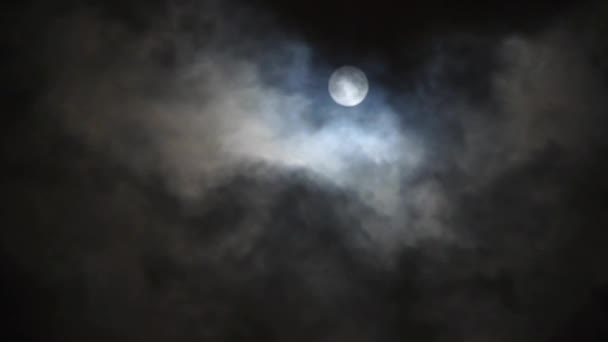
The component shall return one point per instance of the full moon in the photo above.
(348, 86)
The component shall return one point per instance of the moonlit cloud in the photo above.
(218, 110)
(221, 112)
(191, 178)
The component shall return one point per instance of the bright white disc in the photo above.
(348, 86)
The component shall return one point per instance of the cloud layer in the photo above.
(190, 179)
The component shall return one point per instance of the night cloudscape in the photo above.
(265, 170)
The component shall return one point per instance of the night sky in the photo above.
(177, 171)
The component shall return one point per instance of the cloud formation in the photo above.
(190, 179)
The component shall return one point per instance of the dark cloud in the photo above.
(177, 171)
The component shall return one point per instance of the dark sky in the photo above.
(384, 26)
(177, 171)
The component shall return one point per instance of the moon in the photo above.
(348, 86)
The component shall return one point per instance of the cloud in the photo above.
(191, 179)
(216, 111)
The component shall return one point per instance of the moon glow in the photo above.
(348, 86)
